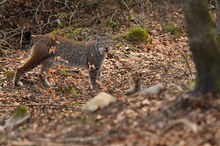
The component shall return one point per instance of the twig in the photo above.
(12, 35)
(126, 5)
(12, 48)
(78, 139)
(29, 104)
(48, 21)
(3, 2)
(22, 33)
(75, 12)
(118, 85)
(37, 9)
(66, 4)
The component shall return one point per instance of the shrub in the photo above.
(138, 34)
(175, 31)
(20, 112)
(111, 24)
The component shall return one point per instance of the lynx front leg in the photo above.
(19, 71)
(28, 65)
(44, 71)
(94, 78)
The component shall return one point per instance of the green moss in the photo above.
(69, 90)
(111, 24)
(84, 121)
(20, 112)
(63, 15)
(70, 33)
(64, 72)
(175, 31)
(9, 74)
(74, 104)
(217, 82)
(72, 91)
(218, 39)
(191, 85)
(35, 89)
(138, 34)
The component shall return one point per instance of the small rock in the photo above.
(99, 101)
(156, 89)
(146, 102)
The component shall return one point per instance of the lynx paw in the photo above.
(19, 83)
(48, 84)
(95, 87)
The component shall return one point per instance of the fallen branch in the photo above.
(19, 116)
(78, 139)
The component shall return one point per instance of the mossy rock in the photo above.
(138, 34)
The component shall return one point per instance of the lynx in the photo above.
(47, 48)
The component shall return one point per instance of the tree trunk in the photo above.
(204, 46)
(218, 16)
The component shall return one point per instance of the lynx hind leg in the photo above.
(44, 73)
(17, 76)
(30, 64)
(94, 78)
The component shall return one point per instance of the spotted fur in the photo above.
(46, 48)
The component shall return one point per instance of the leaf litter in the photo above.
(169, 118)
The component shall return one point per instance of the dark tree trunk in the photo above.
(203, 44)
(218, 16)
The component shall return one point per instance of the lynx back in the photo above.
(46, 48)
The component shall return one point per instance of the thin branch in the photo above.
(12, 48)
(29, 104)
(22, 33)
(76, 9)
(36, 18)
(126, 5)
(3, 2)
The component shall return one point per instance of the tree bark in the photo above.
(204, 46)
(218, 16)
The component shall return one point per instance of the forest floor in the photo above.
(173, 117)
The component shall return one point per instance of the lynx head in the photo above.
(103, 46)
(26, 40)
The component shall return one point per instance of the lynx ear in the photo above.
(98, 38)
(109, 36)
